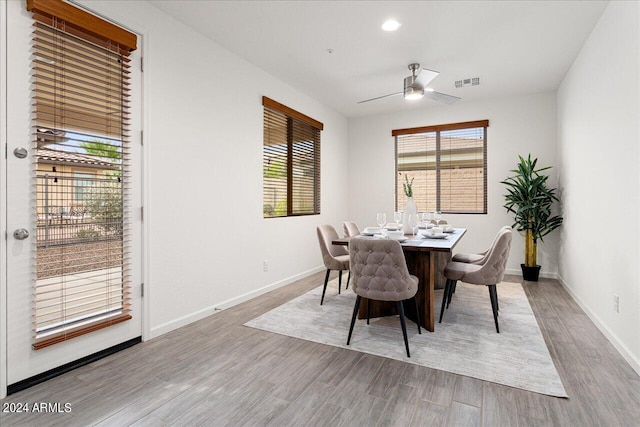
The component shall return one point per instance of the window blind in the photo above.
(291, 162)
(448, 166)
(80, 97)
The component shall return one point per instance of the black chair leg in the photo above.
(404, 326)
(447, 287)
(353, 318)
(368, 310)
(452, 289)
(326, 280)
(339, 280)
(415, 300)
(495, 297)
(348, 278)
(494, 304)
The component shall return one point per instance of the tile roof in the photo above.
(66, 157)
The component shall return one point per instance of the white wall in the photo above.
(206, 238)
(598, 136)
(519, 125)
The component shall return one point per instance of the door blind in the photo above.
(80, 97)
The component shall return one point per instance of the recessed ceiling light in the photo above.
(390, 25)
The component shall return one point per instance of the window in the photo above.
(291, 162)
(82, 181)
(80, 119)
(447, 165)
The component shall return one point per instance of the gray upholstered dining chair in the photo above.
(480, 256)
(350, 229)
(380, 273)
(334, 257)
(489, 273)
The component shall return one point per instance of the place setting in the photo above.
(421, 225)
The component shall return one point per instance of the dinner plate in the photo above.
(370, 231)
(450, 230)
(436, 236)
(424, 226)
(400, 239)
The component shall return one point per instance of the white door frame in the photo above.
(3, 198)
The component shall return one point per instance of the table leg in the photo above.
(425, 266)
(422, 265)
(378, 308)
(440, 261)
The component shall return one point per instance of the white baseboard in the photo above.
(518, 272)
(249, 295)
(223, 305)
(612, 337)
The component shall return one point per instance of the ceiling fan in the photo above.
(415, 87)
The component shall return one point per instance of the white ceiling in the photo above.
(515, 47)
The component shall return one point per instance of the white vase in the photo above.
(409, 208)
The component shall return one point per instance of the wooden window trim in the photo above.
(438, 128)
(76, 332)
(84, 21)
(275, 105)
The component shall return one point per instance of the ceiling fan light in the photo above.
(390, 25)
(411, 91)
(413, 95)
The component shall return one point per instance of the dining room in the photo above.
(228, 290)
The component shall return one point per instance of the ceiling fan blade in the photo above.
(380, 97)
(441, 97)
(425, 77)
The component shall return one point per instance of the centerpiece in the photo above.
(410, 207)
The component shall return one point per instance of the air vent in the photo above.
(475, 81)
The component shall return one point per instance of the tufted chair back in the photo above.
(492, 269)
(493, 244)
(350, 229)
(481, 257)
(330, 253)
(380, 271)
(441, 222)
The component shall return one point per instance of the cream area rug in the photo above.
(465, 343)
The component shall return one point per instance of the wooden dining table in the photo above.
(426, 259)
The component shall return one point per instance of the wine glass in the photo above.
(413, 223)
(382, 219)
(437, 215)
(397, 217)
(426, 218)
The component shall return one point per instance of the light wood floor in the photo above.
(217, 372)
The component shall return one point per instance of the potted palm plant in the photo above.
(530, 200)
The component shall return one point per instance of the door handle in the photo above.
(21, 234)
(20, 152)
